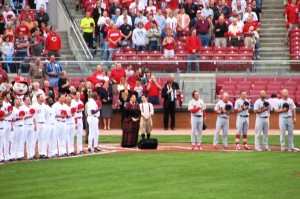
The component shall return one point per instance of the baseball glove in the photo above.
(246, 103)
(228, 107)
(286, 105)
(266, 104)
(204, 126)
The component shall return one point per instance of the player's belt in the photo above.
(19, 125)
(287, 117)
(28, 124)
(40, 122)
(264, 117)
(79, 117)
(224, 117)
(60, 120)
(7, 120)
(1, 128)
(197, 115)
(244, 115)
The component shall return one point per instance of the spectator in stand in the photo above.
(137, 5)
(53, 43)
(240, 22)
(3, 75)
(106, 96)
(48, 90)
(149, 22)
(160, 19)
(21, 48)
(37, 43)
(221, 30)
(151, 8)
(193, 45)
(9, 15)
(115, 17)
(41, 3)
(10, 33)
(147, 77)
(7, 53)
(240, 10)
(195, 19)
(133, 16)
(129, 71)
(30, 23)
(153, 89)
(42, 16)
(249, 13)
(126, 31)
(211, 32)
(88, 26)
(63, 84)
(98, 72)
(116, 75)
(190, 9)
(291, 17)
(53, 71)
(37, 72)
(154, 36)
(104, 30)
(120, 19)
(139, 37)
(140, 18)
(248, 30)
(26, 13)
(183, 22)
(121, 85)
(126, 3)
(132, 79)
(169, 45)
(35, 92)
(243, 3)
(139, 89)
(96, 13)
(200, 5)
(101, 22)
(172, 7)
(22, 28)
(2, 23)
(207, 11)
(114, 37)
(172, 22)
(257, 11)
(114, 7)
(235, 32)
(202, 26)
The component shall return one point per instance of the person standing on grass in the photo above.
(168, 93)
(198, 115)
(50, 126)
(147, 112)
(106, 96)
(7, 127)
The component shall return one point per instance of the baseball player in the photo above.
(93, 112)
(70, 125)
(29, 128)
(50, 126)
(40, 112)
(287, 118)
(7, 124)
(17, 144)
(241, 107)
(2, 113)
(223, 108)
(146, 121)
(76, 102)
(262, 110)
(60, 116)
(198, 115)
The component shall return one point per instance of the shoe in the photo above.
(91, 150)
(13, 159)
(200, 147)
(267, 149)
(294, 150)
(237, 147)
(72, 154)
(282, 149)
(173, 129)
(81, 152)
(215, 148)
(97, 150)
(258, 150)
(165, 129)
(225, 148)
(193, 147)
(246, 147)
(105, 128)
(108, 128)
(257, 57)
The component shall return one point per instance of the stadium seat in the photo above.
(155, 53)
(127, 48)
(120, 58)
(218, 58)
(246, 48)
(252, 78)
(130, 53)
(245, 64)
(282, 79)
(179, 64)
(268, 79)
(142, 53)
(232, 48)
(135, 65)
(273, 85)
(259, 87)
(237, 79)
(207, 53)
(206, 48)
(183, 38)
(179, 48)
(295, 79)
(294, 66)
(206, 66)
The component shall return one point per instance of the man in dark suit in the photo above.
(169, 95)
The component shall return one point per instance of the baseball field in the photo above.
(158, 174)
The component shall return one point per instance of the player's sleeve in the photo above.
(293, 104)
(236, 105)
(278, 105)
(255, 106)
(217, 108)
(190, 106)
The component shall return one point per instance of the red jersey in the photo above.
(193, 42)
(170, 46)
(107, 29)
(117, 74)
(173, 4)
(292, 14)
(53, 42)
(153, 91)
(114, 35)
(22, 28)
(25, 15)
(247, 26)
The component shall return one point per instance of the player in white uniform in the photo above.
(93, 112)
(17, 144)
(59, 107)
(223, 108)
(29, 128)
(262, 109)
(50, 126)
(197, 110)
(241, 107)
(76, 102)
(40, 112)
(2, 113)
(7, 124)
(287, 118)
(70, 125)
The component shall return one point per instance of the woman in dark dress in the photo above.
(106, 97)
(124, 98)
(131, 123)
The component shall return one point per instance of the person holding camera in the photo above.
(153, 89)
(88, 26)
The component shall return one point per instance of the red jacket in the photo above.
(25, 15)
(53, 42)
(193, 42)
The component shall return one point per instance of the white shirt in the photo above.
(40, 3)
(35, 94)
(78, 114)
(102, 20)
(146, 109)
(172, 22)
(120, 20)
(292, 106)
(259, 104)
(193, 103)
(140, 6)
(4, 108)
(92, 105)
(246, 14)
(70, 118)
(121, 87)
(26, 109)
(50, 115)
(15, 115)
(57, 110)
(40, 112)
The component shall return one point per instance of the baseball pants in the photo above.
(62, 138)
(1, 144)
(286, 124)
(52, 140)
(222, 123)
(70, 131)
(42, 138)
(197, 126)
(261, 124)
(93, 131)
(30, 140)
(15, 141)
(21, 143)
(79, 135)
(242, 125)
(6, 133)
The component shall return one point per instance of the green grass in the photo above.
(156, 175)
(273, 139)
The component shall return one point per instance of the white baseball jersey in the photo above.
(35, 94)
(40, 112)
(259, 104)
(57, 110)
(4, 108)
(15, 115)
(238, 104)
(70, 119)
(26, 109)
(50, 115)
(193, 103)
(92, 105)
(292, 106)
(75, 104)
(222, 104)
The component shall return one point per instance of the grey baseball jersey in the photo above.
(259, 104)
(242, 119)
(196, 120)
(238, 104)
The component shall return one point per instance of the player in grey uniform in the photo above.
(223, 108)
(197, 110)
(241, 107)
(287, 118)
(262, 110)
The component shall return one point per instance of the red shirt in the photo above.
(22, 28)
(193, 42)
(132, 81)
(25, 15)
(53, 42)
(291, 13)
(173, 4)
(170, 46)
(247, 26)
(126, 3)
(107, 29)
(148, 25)
(153, 91)
(117, 74)
(114, 35)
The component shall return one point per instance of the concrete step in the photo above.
(271, 40)
(272, 45)
(267, 6)
(266, 21)
(272, 25)
(274, 36)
